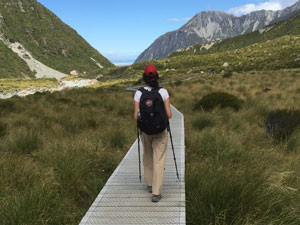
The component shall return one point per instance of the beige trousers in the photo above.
(154, 158)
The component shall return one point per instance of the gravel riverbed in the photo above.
(63, 85)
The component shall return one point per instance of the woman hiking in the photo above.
(152, 112)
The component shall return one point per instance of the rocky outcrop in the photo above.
(213, 25)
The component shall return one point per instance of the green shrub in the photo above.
(91, 123)
(25, 142)
(219, 195)
(293, 144)
(64, 100)
(3, 127)
(280, 124)
(178, 82)
(227, 74)
(30, 206)
(114, 138)
(202, 122)
(7, 106)
(215, 99)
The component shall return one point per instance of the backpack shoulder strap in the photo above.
(142, 90)
(156, 89)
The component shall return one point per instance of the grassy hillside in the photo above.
(280, 53)
(49, 40)
(274, 47)
(288, 27)
(57, 151)
(235, 173)
(11, 64)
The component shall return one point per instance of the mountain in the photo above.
(41, 40)
(276, 46)
(268, 33)
(211, 26)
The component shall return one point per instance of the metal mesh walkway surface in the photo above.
(125, 200)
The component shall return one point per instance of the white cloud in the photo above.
(267, 5)
(179, 19)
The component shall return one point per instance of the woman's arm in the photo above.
(136, 108)
(167, 107)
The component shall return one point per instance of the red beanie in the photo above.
(150, 70)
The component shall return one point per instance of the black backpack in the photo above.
(153, 118)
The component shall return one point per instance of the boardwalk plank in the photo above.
(125, 200)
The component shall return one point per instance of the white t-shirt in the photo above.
(163, 92)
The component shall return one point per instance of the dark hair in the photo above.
(152, 81)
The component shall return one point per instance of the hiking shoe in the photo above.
(149, 188)
(156, 198)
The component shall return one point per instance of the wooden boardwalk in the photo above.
(124, 200)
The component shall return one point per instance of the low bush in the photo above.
(24, 142)
(280, 124)
(226, 195)
(227, 74)
(202, 123)
(3, 127)
(221, 99)
(6, 106)
(178, 82)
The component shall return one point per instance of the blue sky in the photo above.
(122, 29)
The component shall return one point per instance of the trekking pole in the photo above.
(169, 129)
(138, 133)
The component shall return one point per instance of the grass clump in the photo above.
(24, 142)
(280, 124)
(7, 106)
(235, 174)
(222, 99)
(203, 122)
(227, 74)
(3, 128)
(57, 151)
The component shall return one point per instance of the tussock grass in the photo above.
(281, 124)
(57, 151)
(222, 99)
(235, 173)
(11, 84)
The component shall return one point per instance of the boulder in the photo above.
(226, 64)
(99, 77)
(74, 73)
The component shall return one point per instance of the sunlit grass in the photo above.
(235, 173)
(11, 84)
(58, 150)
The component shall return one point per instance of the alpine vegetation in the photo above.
(235, 173)
(57, 152)
(32, 35)
(213, 26)
(221, 99)
(281, 124)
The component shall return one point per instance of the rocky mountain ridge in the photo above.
(211, 26)
(288, 27)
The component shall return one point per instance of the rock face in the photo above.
(211, 26)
